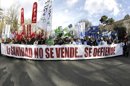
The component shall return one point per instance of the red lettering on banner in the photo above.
(62, 53)
(36, 52)
(51, 53)
(95, 52)
(8, 50)
(41, 53)
(58, 52)
(88, 52)
(101, 54)
(22, 52)
(67, 52)
(28, 52)
(76, 52)
(71, 52)
(12, 50)
(104, 51)
(17, 51)
(47, 52)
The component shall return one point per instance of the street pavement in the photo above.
(114, 71)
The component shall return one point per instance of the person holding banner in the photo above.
(72, 41)
(103, 41)
(125, 48)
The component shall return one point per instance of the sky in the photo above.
(67, 12)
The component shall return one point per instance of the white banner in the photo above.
(6, 32)
(47, 16)
(64, 52)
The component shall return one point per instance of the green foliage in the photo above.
(103, 19)
(110, 21)
(121, 31)
(127, 16)
(60, 32)
(50, 41)
(12, 16)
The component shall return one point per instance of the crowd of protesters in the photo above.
(34, 38)
(41, 38)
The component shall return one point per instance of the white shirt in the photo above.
(103, 43)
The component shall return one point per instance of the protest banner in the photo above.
(64, 52)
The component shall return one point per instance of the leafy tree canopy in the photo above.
(103, 19)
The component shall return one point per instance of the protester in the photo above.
(125, 47)
(103, 41)
(73, 41)
(90, 42)
(94, 42)
(78, 41)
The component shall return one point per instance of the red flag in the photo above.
(23, 29)
(22, 16)
(34, 13)
(29, 30)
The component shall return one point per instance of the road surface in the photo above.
(113, 71)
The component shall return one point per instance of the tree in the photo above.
(110, 21)
(103, 19)
(127, 16)
(12, 16)
(1, 26)
(1, 13)
(1, 20)
(121, 31)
